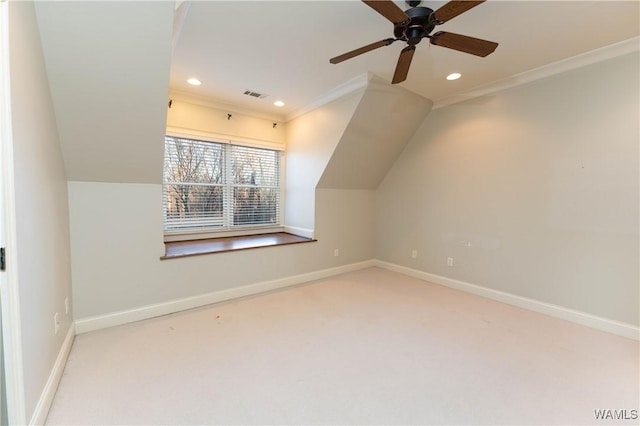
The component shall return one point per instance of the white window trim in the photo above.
(197, 234)
(178, 132)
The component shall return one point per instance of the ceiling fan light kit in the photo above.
(416, 23)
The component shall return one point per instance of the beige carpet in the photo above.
(366, 347)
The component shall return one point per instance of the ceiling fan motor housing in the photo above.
(421, 23)
(416, 23)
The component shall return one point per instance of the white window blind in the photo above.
(219, 186)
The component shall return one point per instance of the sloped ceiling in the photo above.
(282, 48)
(383, 122)
(108, 65)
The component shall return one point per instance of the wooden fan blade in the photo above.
(360, 51)
(462, 43)
(388, 9)
(404, 62)
(453, 9)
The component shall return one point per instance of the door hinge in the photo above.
(3, 263)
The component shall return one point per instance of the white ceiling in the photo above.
(282, 48)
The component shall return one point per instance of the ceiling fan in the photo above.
(416, 23)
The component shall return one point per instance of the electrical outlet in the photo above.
(449, 261)
(414, 254)
(66, 305)
(336, 252)
(56, 323)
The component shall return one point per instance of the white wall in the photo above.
(44, 278)
(385, 119)
(349, 143)
(533, 191)
(198, 118)
(117, 233)
(116, 250)
(311, 140)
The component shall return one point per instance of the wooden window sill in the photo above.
(220, 245)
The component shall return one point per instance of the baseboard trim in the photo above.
(150, 311)
(603, 324)
(156, 310)
(46, 398)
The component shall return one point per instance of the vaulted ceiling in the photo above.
(111, 63)
(282, 48)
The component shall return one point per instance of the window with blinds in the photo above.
(213, 186)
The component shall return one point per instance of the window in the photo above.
(211, 186)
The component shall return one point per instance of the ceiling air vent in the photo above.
(255, 94)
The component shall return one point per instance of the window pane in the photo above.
(193, 161)
(254, 166)
(219, 186)
(193, 206)
(255, 205)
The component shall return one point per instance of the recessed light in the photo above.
(279, 103)
(194, 82)
(454, 76)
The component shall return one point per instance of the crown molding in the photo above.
(361, 81)
(574, 62)
(178, 95)
(345, 89)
